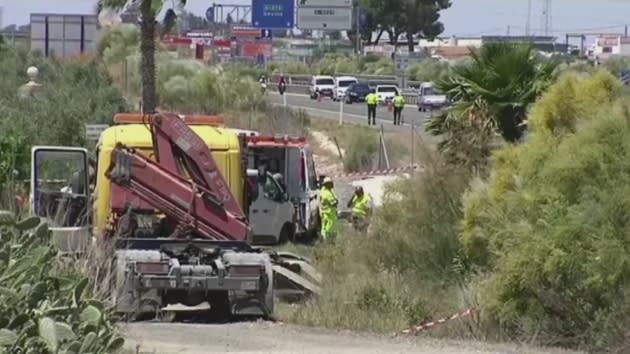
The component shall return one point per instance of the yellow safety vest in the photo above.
(328, 200)
(371, 98)
(399, 101)
(360, 205)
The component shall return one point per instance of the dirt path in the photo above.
(265, 337)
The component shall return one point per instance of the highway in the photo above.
(354, 113)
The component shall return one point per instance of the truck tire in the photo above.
(219, 302)
(269, 296)
(286, 234)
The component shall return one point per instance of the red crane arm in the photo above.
(201, 201)
(174, 141)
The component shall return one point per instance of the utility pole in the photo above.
(357, 24)
(546, 17)
(529, 18)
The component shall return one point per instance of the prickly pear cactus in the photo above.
(45, 303)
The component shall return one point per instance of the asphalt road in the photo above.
(355, 113)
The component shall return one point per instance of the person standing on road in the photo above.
(372, 100)
(361, 205)
(328, 209)
(399, 104)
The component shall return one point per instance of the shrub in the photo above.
(428, 70)
(362, 148)
(46, 303)
(548, 229)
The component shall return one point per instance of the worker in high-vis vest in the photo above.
(328, 209)
(361, 205)
(372, 100)
(399, 104)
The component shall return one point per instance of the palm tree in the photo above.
(494, 90)
(149, 10)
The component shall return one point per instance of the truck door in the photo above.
(60, 194)
(269, 211)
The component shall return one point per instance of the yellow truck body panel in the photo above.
(223, 143)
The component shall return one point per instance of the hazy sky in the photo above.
(465, 17)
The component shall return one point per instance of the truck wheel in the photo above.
(269, 297)
(286, 234)
(219, 306)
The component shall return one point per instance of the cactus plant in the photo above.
(45, 301)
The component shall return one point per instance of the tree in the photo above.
(409, 17)
(495, 88)
(149, 10)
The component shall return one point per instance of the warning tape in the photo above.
(389, 171)
(426, 325)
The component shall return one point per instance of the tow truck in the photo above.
(175, 212)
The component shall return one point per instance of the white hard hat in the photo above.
(327, 180)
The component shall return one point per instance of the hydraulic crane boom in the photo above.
(184, 182)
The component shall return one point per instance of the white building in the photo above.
(608, 46)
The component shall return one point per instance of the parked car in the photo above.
(321, 85)
(356, 92)
(341, 86)
(429, 98)
(386, 93)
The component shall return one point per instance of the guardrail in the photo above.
(303, 79)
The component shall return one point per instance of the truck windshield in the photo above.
(324, 82)
(346, 83)
(387, 89)
(429, 91)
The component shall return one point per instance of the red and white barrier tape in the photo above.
(389, 171)
(426, 325)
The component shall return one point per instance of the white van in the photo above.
(321, 85)
(341, 86)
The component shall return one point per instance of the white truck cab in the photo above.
(386, 93)
(429, 98)
(321, 85)
(293, 159)
(341, 86)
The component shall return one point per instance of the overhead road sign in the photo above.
(324, 18)
(272, 14)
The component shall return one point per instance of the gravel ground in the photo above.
(266, 337)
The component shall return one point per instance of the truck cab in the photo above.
(429, 98)
(292, 157)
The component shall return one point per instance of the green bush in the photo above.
(46, 303)
(362, 148)
(548, 230)
(428, 70)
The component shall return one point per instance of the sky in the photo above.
(464, 18)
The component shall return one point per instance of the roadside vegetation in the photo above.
(531, 232)
(48, 305)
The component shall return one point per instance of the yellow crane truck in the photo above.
(173, 191)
